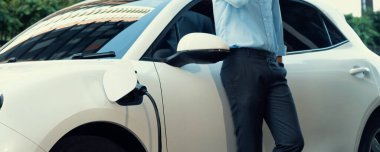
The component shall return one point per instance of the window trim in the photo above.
(326, 29)
(318, 50)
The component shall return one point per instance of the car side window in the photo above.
(190, 20)
(306, 28)
(335, 35)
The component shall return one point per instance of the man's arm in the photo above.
(279, 30)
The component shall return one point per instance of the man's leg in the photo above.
(244, 81)
(281, 115)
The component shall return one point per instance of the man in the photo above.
(253, 74)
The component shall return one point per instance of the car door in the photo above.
(329, 78)
(197, 116)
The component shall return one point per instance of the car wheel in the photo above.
(370, 141)
(86, 144)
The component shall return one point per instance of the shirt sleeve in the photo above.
(237, 3)
(280, 46)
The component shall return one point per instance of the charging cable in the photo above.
(142, 90)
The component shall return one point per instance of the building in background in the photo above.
(354, 7)
(367, 5)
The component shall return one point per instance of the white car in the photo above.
(68, 82)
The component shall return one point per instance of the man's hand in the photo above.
(279, 59)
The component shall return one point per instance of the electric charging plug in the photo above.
(135, 97)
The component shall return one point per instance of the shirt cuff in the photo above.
(282, 51)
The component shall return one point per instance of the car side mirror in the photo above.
(119, 80)
(199, 48)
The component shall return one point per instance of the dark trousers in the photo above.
(257, 89)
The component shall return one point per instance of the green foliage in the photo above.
(376, 24)
(16, 15)
(368, 28)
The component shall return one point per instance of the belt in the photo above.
(251, 51)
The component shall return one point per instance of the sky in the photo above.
(351, 6)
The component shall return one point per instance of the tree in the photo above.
(367, 29)
(17, 15)
(8, 22)
(375, 16)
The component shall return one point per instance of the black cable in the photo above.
(158, 121)
(142, 90)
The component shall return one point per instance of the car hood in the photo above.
(12, 74)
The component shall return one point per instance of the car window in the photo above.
(306, 28)
(190, 20)
(335, 35)
(85, 28)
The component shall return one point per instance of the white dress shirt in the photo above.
(253, 24)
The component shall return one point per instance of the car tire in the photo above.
(86, 144)
(371, 136)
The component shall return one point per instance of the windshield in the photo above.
(90, 27)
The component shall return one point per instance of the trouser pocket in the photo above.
(278, 69)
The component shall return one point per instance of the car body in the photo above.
(47, 97)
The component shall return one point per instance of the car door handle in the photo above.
(358, 70)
